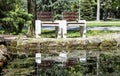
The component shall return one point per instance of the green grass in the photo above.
(100, 32)
(75, 33)
(48, 33)
(103, 23)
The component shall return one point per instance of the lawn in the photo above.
(103, 23)
(75, 33)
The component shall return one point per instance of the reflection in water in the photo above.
(74, 63)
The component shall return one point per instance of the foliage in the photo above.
(109, 63)
(110, 8)
(86, 9)
(57, 6)
(61, 71)
(23, 5)
(13, 18)
(44, 5)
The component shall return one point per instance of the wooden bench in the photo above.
(72, 20)
(46, 19)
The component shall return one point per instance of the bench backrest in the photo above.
(70, 16)
(45, 16)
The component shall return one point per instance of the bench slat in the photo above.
(45, 16)
(70, 16)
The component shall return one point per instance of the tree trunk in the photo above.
(98, 10)
(105, 15)
(32, 10)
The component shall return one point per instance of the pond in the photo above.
(73, 63)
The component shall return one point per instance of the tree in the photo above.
(106, 6)
(86, 9)
(45, 5)
(110, 8)
(12, 16)
(32, 10)
(98, 10)
(116, 8)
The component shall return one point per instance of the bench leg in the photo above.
(38, 28)
(64, 32)
(83, 31)
(63, 25)
(82, 28)
(58, 31)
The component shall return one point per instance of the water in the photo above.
(77, 63)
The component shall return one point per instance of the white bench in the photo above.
(46, 19)
(72, 20)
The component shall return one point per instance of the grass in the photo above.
(103, 23)
(75, 33)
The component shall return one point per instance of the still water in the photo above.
(65, 63)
